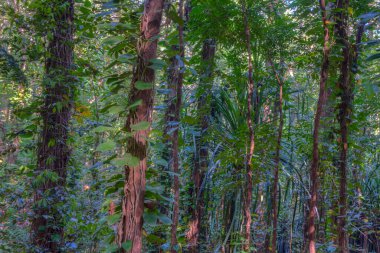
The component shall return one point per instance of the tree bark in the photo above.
(130, 226)
(363, 237)
(346, 92)
(311, 229)
(176, 82)
(201, 156)
(249, 184)
(53, 151)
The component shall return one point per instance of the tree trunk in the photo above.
(53, 152)
(277, 163)
(311, 229)
(130, 226)
(363, 237)
(201, 156)
(249, 185)
(346, 89)
(176, 82)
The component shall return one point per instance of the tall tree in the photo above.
(363, 236)
(345, 107)
(277, 159)
(53, 151)
(251, 148)
(311, 229)
(304, 172)
(139, 118)
(176, 82)
(201, 153)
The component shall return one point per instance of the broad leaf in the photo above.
(106, 146)
(143, 125)
(143, 86)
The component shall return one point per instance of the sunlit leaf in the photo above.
(106, 146)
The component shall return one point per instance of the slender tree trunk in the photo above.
(249, 184)
(53, 152)
(96, 154)
(363, 237)
(277, 162)
(359, 37)
(311, 229)
(201, 156)
(176, 80)
(130, 226)
(345, 108)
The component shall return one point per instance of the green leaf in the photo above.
(155, 188)
(26, 134)
(143, 86)
(125, 58)
(134, 104)
(143, 125)
(119, 162)
(112, 219)
(116, 109)
(101, 129)
(106, 146)
(113, 40)
(51, 143)
(125, 26)
(173, 15)
(190, 120)
(162, 162)
(150, 218)
(165, 219)
(373, 57)
(128, 160)
(112, 248)
(157, 64)
(155, 239)
(110, 190)
(116, 177)
(127, 245)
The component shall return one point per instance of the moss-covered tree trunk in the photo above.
(345, 108)
(53, 150)
(176, 82)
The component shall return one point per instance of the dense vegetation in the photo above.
(189, 126)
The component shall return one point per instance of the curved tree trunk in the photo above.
(311, 229)
(53, 152)
(130, 226)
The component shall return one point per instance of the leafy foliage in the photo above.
(287, 39)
